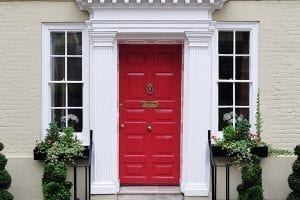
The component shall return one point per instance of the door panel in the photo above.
(150, 131)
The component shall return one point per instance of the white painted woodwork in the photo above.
(88, 4)
(104, 90)
(196, 117)
(189, 23)
(46, 74)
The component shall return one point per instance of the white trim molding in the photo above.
(164, 22)
(104, 115)
(196, 113)
(91, 5)
(47, 28)
(253, 28)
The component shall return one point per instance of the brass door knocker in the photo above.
(149, 89)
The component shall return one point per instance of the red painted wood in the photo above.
(150, 157)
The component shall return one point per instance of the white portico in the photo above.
(116, 22)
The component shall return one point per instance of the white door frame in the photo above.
(191, 25)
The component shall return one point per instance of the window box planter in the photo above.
(260, 151)
(42, 155)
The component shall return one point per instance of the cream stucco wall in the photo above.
(20, 79)
(20, 64)
(279, 64)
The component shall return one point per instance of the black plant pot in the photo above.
(260, 151)
(39, 155)
(42, 155)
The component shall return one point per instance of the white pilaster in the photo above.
(104, 115)
(196, 113)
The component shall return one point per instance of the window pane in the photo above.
(75, 119)
(225, 67)
(58, 116)
(58, 94)
(57, 43)
(242, 42)
(242, 112)
(75, 94)
(74, 43)
(225, 42)
(225, 94)
(74, 69)
(58, 69)
(242, 94)
(242, 68)
(222, 119)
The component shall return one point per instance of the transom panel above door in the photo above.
(150, 110)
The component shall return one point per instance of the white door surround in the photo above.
(166, 21)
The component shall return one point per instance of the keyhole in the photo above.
(149, 89)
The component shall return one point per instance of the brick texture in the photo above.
(279, 64)
(20, 65)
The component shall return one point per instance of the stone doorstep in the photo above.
(150, 193)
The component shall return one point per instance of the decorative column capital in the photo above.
(201, 38)
(198, 39)
(103, 39)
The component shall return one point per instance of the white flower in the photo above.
(227, 116)
(240, 118)
(72, 117)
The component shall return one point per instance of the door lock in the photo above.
(122, 125)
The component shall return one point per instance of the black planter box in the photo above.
(260, 151)
(42, 155)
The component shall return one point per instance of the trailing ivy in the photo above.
(238, 142)
(258, 116)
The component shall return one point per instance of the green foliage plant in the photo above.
(5, 178)
(258, 116)
(237, 142)
(62, 147)
(55, 186)
(66, 148)
(294, 178)
(52, 136)
(279, 152)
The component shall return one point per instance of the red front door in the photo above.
(150, 110)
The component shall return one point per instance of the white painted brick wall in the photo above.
(20, 68)
(279, 64)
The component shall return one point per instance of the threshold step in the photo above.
(150, 190)
(150, 197)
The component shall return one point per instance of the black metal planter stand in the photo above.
(87, 172)
(87, 168)
(214, 169)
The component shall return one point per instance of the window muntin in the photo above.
(65, 81)
(234, 80)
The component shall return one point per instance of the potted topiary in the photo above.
(294, 178)
(57, 150)
(54, 182)
(238, 143)
(5, 178)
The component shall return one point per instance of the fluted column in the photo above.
(196, 113)
(104, 115)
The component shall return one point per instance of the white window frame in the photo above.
(47, 28)
(253, 27)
